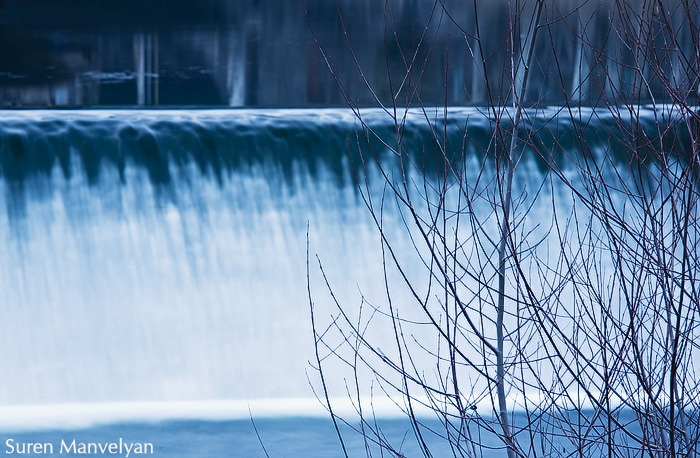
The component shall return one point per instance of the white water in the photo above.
(128, 292)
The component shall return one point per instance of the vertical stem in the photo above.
(317, 341)
(518, 97)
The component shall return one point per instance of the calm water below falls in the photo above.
(280, 437)
(154, 270)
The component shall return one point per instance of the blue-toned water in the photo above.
(161, 256)
(294, 437)
(154, 266)
(159, 268)
(251, 53)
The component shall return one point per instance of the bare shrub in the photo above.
(551, 301)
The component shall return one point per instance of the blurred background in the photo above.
(252, 53)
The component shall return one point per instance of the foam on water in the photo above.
(156, 260)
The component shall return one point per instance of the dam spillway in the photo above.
(161, 255)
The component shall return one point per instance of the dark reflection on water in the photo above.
(257, 53)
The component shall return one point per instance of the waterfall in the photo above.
(161, 255)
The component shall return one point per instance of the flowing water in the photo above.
(154, 261)
(154, 267)
(161, 255)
